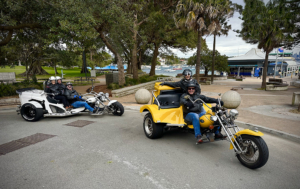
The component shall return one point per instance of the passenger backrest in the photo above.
(45, 86)
(168, 100)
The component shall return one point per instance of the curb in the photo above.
(9, 101)
(274, 132)
(136, 108)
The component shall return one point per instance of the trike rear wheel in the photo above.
(30, 113)
(152, 130)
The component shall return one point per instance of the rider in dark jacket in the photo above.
(75, 99)
(58, 95)
(183, 82)
(193, 110)
(61, 87)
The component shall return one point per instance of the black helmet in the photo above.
(69, 83)
(187, 72)
(191, 84)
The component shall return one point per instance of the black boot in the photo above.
(220, 136)
(199, 139)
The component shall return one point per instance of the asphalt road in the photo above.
(113, 152)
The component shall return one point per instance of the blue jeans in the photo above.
(194, 118)
(79, 104)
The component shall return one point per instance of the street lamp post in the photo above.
(275, 64)
(282, 62)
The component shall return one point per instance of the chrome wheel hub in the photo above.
(148, 126)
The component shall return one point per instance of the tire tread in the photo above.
(158, 129)
(263, 151)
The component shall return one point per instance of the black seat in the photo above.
(52, 100)
(167, 101)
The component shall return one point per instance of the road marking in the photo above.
(141, 169)
(261, 95)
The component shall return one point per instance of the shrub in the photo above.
(34, 79)
(113, 86)
(10, 89)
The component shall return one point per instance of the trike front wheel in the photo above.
(257, 152)
(118, 109)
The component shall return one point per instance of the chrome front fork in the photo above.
(230, 136)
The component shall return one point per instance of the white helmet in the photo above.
(57, 78)
(52, 78)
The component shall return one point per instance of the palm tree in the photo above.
(219, 27)
(265, 25)
(195, 15)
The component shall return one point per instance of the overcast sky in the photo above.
(230, 45)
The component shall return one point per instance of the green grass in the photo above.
(69, 73)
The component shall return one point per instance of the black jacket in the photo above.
(61, 88)
(53, 88)
(197, 105)
(183, 85)
(70, 95)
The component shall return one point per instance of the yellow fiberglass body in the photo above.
(159, 88)
(173, 115)
(205, 120)
(246, 132)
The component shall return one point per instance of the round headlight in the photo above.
(213, 118)
(234, 113)
(106, 95)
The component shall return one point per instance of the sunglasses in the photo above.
(191, 89)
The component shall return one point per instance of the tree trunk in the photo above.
(140, 60)
(213, 60)
(263, 85)
(206, 71)
(129, 67)
(121, 74)
(84, 69)
(134, 51)
(35, 69)
(198, 56)
(154, 59)
(55, 70)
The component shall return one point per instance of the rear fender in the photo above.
(171, 116)
(245, 132)
(111, 102)
(36, 104)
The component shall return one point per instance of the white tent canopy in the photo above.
(291, 63)
(254, 54)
